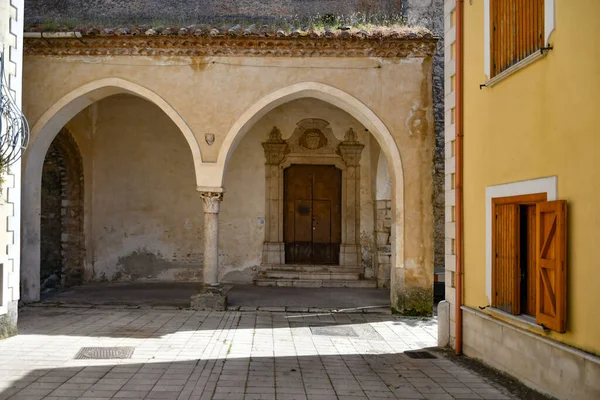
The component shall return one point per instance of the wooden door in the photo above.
(312, 214)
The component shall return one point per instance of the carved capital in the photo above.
(350, 153)
(212, 202)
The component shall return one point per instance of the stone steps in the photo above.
(308, 275)
(313, 268)
(320, 283)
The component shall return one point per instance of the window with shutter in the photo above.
(551, 269)
(514, 255)
(516, 31)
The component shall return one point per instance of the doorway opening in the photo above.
(312, 214)
(62, 244)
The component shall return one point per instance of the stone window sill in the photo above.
(530, 59)
(522, 321)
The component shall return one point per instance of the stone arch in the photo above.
(359, 111)
(43, 133)
(62, 237)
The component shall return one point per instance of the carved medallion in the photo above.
(313, 139)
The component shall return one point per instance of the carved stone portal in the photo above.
(312, 142)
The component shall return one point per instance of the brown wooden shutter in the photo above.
(551, 266)
(516, 31)
(506, 259)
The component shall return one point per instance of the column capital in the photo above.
(212, 201)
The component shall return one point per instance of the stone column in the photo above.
(275, 151)
(212, 203)
(350, 150)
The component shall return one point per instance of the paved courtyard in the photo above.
(180, 354)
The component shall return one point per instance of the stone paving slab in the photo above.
(183, 354)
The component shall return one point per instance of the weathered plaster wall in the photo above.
(430, 13)
(241, 233)
(147, 215)
(186, 10)
(396, 92)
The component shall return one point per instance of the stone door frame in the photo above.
(325, 149)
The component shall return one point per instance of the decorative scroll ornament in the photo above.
(212, 202)
(14, 129)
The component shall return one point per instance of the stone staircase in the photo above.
(326, 276)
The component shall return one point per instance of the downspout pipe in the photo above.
(458, 178)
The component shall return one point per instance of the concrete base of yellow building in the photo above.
(542, 364)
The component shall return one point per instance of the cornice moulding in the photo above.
(35, 45)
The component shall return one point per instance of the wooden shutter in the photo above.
(506, 258)
(551, 265)
(516, 31)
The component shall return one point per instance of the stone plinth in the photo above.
(210, 298)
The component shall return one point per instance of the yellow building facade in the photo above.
(531, 128)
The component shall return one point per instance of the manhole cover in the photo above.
(104, 353)
(344, 331)
(419, 354)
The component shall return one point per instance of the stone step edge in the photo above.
(312, 268)
(331, 283)
(311, 276)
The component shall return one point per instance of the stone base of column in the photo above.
(210, 298)
(273, 253)
(350, 255)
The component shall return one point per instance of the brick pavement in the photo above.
(181, 354)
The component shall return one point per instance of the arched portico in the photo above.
(356, 109)
(43, 133)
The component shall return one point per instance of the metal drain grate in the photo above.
(344, 331)
(419, 354)
(104, 353)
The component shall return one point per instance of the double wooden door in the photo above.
(312, 214)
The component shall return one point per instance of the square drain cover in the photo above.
(419, 354)
(104, 353)
(344, 331)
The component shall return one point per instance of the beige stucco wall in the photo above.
(391, 97)
(143, 216)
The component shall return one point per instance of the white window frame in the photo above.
(547, 185)
(549, 22)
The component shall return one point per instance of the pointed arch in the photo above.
(356, 109)
(43, 133)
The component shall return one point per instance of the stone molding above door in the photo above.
(312, 142)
